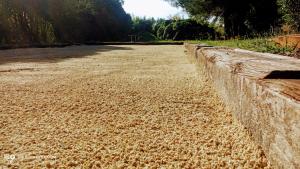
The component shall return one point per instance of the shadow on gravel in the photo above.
(53, 55)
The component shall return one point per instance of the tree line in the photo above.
(62, 21)
(80, 21)
(245, 17)
(172, 29)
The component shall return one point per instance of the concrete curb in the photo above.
(263, 92)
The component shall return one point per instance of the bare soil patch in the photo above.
(115, 107)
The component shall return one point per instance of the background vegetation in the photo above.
(256, 44)
(71, 21)
(172, 29)
(247, 18)
(81, 21)
(290, 12)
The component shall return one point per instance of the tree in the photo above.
(240, 18)
(174, 29)
(143, 28)
(72, 21)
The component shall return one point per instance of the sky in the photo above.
(151, 8)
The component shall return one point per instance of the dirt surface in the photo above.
(291, 41)
(115, 107)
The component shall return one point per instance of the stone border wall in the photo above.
(263, 92)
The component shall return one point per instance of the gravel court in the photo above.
(115, 107)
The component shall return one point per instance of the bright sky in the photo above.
(151, 8)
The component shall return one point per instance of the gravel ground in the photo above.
(115, 107)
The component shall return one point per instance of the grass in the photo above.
(258, 45)
(265, 45)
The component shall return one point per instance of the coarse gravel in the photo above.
(115, 107)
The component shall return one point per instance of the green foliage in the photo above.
(50, 21)
(142, 28)
(240, 17)
(176, 29)
(290, 10)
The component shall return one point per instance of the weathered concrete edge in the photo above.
(272, 119)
